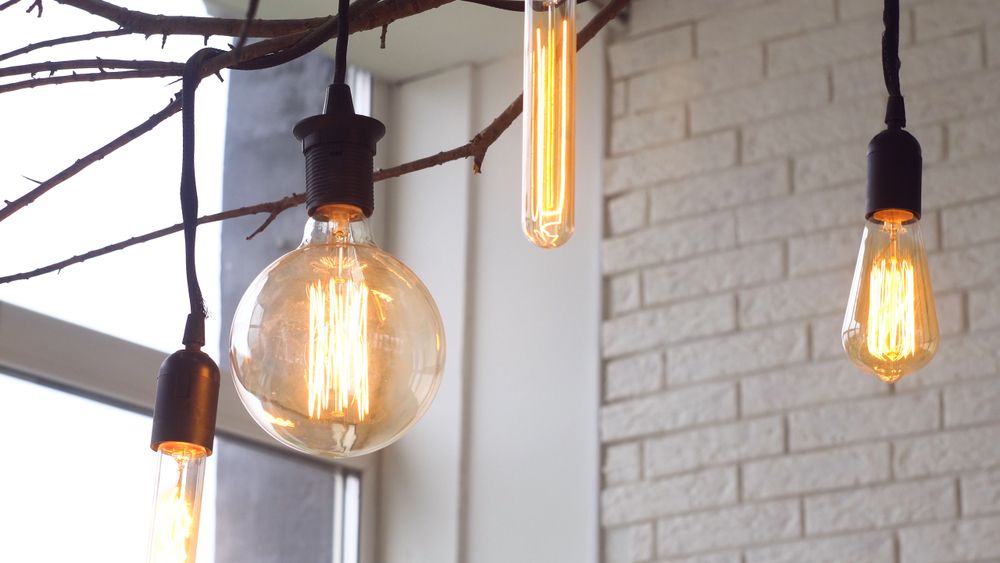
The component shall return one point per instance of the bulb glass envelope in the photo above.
(180, 477)
(890, 327)
(337, 347)
(548, 160)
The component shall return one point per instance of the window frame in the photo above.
(93, 364)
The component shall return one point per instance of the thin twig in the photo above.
(476, 148)
(64, 41)
(285, 203)
(150, 24)
(173, 107)
(8, 4)
(35, 4)
(97, 64)
(85, 77)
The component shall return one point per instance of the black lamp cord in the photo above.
(895, 111)
(194, 329)
(343, 33)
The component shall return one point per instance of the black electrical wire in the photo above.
(895, 113)
(194, 331)
(343, 33)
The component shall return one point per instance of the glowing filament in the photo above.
(338, 348)
(891, 334)
(175, 524)
(549, 194)
(170, 544)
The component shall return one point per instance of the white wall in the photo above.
(735, 428)
(504, 465)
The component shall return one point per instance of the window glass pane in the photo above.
(85, 469)
(274, 507)
(137, 294)
(78, 479)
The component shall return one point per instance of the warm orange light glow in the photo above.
(890, 327)
(177, 503)
(891, 324)
(337, 375)
(548, 213)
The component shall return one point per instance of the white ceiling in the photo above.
(455, 33)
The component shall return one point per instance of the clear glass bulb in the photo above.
(890, 328)
(548, 162)
(180, 476)
(337, 347)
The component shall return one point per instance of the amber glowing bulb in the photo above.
(337, 347)
(891, 328)
(547, 215)
(187, 396)
(177, 503)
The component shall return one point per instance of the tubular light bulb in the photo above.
(177, 502)
(890, 328)
(549, 109)
(337, 348)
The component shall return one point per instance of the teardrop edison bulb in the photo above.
(548, 162)
(890, 328)
(337, 347)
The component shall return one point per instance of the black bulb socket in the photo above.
(895, 170)
(187, 400)
(339, 147)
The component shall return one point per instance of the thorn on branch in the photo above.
(164, 42)
(28, 179)
(267, 222)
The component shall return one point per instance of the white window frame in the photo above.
(93, 363)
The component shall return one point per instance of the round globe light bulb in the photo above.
(337, 347)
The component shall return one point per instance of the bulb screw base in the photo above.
(895, 169)
(339, 147)
(187, 400)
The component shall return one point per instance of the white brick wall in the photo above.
(734, 429)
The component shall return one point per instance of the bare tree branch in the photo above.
(475, 148)
(8, 4)
(144, 23)
(63, 41)
(86, 77)
(281, 204)
(98, 64)
(173, 107)
(265, 51)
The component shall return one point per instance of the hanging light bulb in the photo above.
(187, 386)
(187, 397)
(890, 327)
(549, 116)
(177, 508)
(337, 347)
